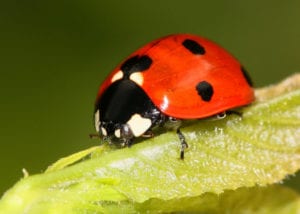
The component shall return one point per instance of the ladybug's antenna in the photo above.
(94, 136)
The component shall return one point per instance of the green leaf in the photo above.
(257, 200)
(261, 147)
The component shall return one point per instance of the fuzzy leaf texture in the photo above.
(225, 167)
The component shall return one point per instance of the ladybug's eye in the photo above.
(125, 132)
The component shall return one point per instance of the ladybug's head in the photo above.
(124, 111)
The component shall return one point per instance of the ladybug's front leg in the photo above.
(148, 134)
(184, 144)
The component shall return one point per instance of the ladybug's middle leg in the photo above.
(223, 114)
(184, 144)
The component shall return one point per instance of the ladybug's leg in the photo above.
(223, 114)
(174, 123)
(148, 134)
(126, 142)
(129, 142)
(184, 144)
(240, 114)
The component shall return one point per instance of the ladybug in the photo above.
(174, 78)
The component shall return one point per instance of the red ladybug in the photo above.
(173, 78)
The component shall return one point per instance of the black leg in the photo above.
(129, 142)
(240, 114)
(222, 115)
(184, 144)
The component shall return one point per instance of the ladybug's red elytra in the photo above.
(173, 78)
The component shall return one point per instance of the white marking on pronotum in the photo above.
(103, 131)
(118, 133)
(165, 103)
(97, 120)
(138, 124)
(117, 76)
(137, 77)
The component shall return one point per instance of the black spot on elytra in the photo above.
(205, 90)
(136, 64)
(193, 46)
(246, 75)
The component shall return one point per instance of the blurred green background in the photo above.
(54, 55)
